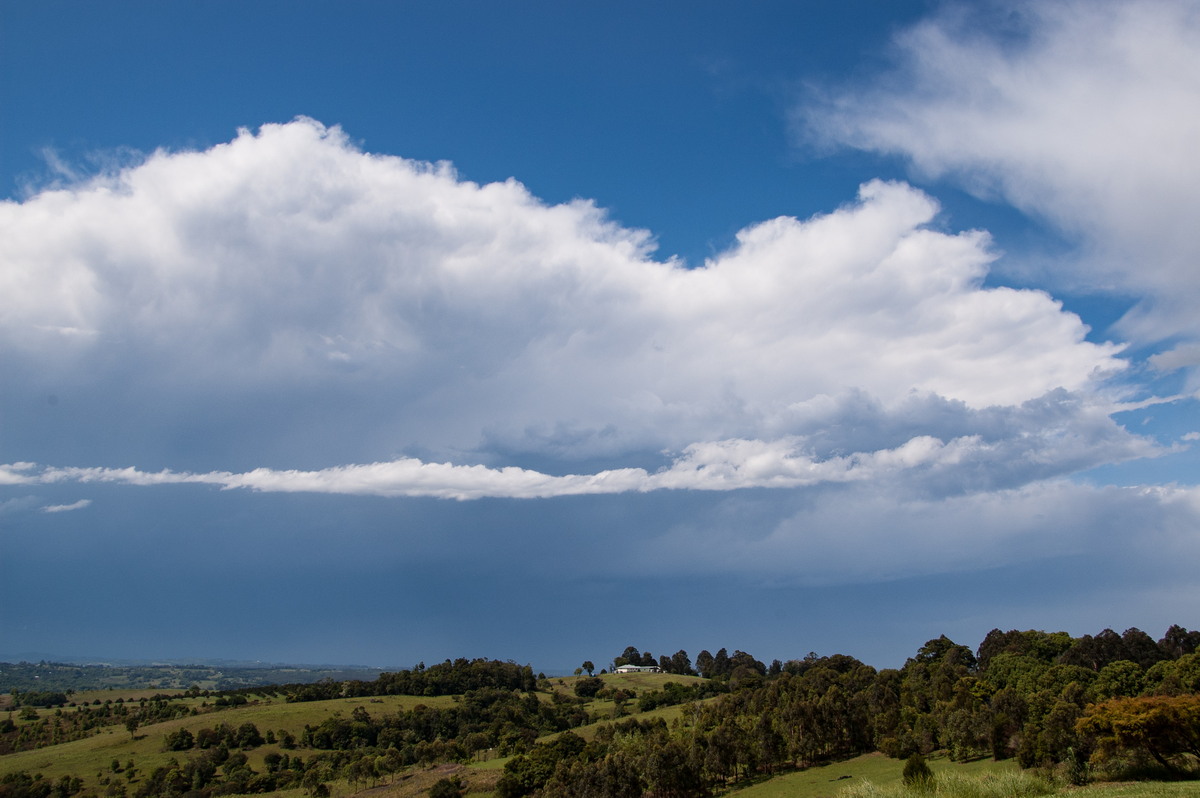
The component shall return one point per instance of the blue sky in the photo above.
(384, 332)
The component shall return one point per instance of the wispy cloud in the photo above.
(19, 504)
(724, 465)
(66, 508)
(1083, 114)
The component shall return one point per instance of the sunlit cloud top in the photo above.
(435, 316)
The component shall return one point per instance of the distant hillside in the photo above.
(1114, 707)
(60, 677)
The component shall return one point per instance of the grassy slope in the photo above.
(830, 780)
(605, 711)
(601, 709)
(1146, 789)
(84, 758)
(827, 781)
(641, 682)
(89, 757)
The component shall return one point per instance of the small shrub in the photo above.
(1076, 768)
(181, 740)
(917, 772)
(451, 787)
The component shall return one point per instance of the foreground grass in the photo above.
(877, 776)
(1022, 784)
(1011, 784)
(1145, 789)
(832, 780)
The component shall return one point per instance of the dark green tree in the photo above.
(630, 656)
(1094, 653)
(917, 772)
(721, 666)
(1141, 648)
(1118, 679)
(587, 688)
(943, 649)
(1178, 642)
(248, 736)
(681, 664)
(181, 740)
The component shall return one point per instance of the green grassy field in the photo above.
(830, 780)
(605, 711)
(1145, 789)
(877, 776)
(868, 776)
(92, 756)
(640, 682)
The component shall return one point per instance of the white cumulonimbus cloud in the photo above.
(287, 286)
(1083, 114)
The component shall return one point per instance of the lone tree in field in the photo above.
(917, 772)
(588, 666)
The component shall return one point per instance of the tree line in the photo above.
(1045, 699)
(445, 678)
(76, 721)
(1110, 701)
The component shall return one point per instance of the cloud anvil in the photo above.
(288, 260)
